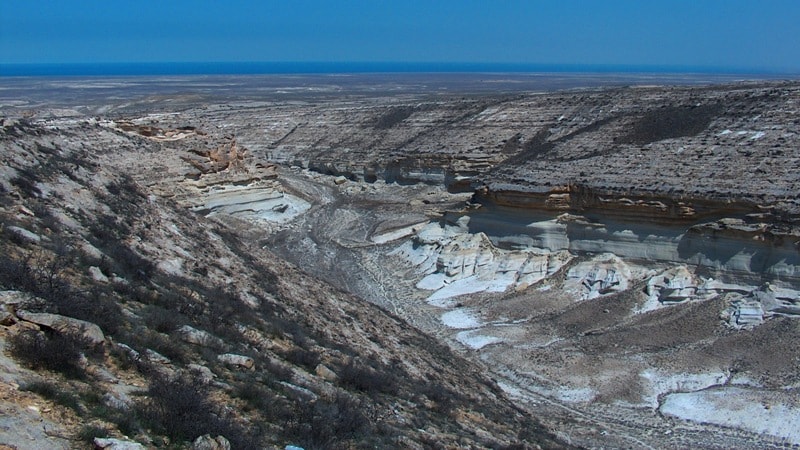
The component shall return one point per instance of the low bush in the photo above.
(181, 410)
(444, 398)
(163, 320)
(302, 357)
(366, 379)
(87, 433)
(52, 351)
(328, 423)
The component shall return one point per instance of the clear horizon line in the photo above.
(120, 68)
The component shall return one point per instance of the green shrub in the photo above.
(87, 433)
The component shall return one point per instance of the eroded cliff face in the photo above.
(735, 240)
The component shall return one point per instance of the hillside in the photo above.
(202, 330)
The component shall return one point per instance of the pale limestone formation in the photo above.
(97, 274)
(602, 275)
(452, 262)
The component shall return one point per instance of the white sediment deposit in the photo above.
(451, 262)
(764, 412)
(253, 201)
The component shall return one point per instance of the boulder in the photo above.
(206, 442)
(203, 373)
(236, 360)
(9, 303)
(97, 274)
(89, 331)
(674, 285)
(744, 312)
(198, 337)
(25, 234)
(602, 275)
(325, 373)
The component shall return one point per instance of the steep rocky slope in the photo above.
(191, 326)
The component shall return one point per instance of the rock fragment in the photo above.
(231, 359)
(206, 442)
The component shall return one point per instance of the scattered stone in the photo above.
(199, 337)
(203, 373)
(154, 356)
(325, 373)
(206, 442)
(340, 180)
(236, 360)
(116, 444)
(97, 274)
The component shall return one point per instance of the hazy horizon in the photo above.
(355, 67)
(673, 35)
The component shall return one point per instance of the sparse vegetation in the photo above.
(51, 351)
(181, 410)
(55, 393)
(328, 423)
(88, 432)
(366, 379)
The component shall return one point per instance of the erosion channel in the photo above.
(593, 267)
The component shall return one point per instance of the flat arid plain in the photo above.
(401, 261)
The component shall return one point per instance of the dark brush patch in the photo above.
(671, 122)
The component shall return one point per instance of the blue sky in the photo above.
(716, 34)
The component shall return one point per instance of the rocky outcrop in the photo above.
(226, 156)
(747, 249)
(63, 324)
(231, 359)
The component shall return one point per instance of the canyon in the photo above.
(622, 262)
